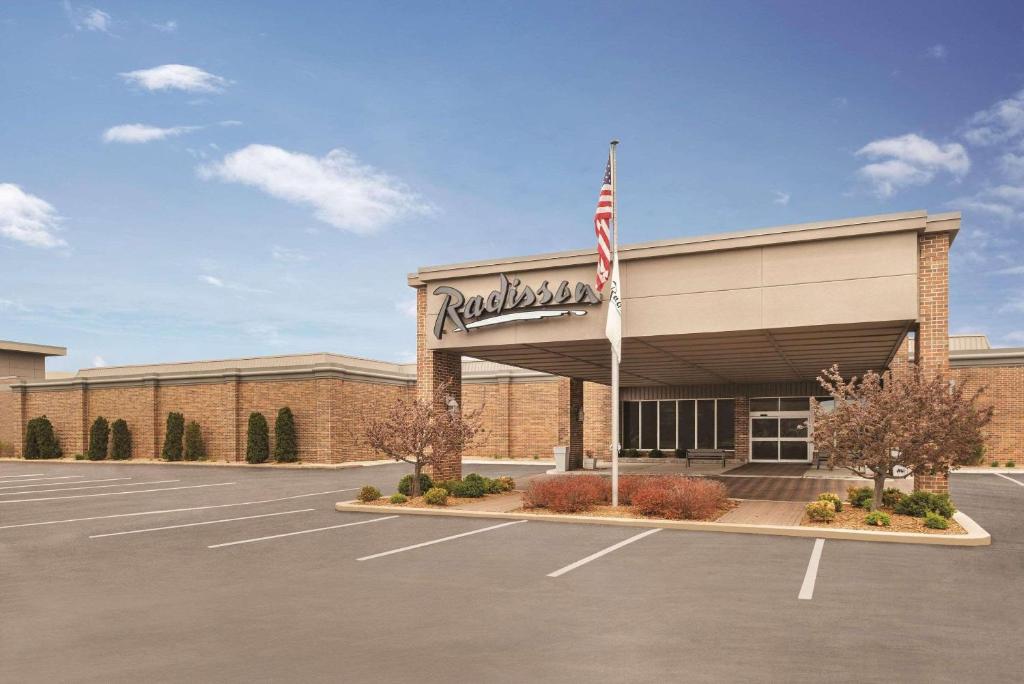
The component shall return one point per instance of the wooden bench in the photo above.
(706, 455)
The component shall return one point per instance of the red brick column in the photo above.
(22, 410)
(435, 368)
(931, 343)
(152, 448)
(500, 437)
(741, 428)
(570, 427)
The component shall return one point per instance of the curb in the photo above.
(205, 464)
(976, 535)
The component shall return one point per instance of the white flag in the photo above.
(613, 326)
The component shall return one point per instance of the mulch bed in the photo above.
(418, 502)
(853, 519)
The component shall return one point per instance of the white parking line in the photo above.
(139, 491)
(175, 510)
(4, 477)
(602, 552)
(807, 589)
(197, 524)
(18, 483)
(72, 489)
(57, 484)
(438, 541)
(292, 534)
(1011, 479)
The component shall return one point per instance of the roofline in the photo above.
(918, 220)
(28, 348)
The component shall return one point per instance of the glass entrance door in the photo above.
(779, 430)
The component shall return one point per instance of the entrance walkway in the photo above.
(770, 469)
(780, 488)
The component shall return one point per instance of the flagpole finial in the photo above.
(614, 142)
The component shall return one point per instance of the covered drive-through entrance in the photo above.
(723, 335)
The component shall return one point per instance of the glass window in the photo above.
(667, 425)
(765, 451)
(726, 426)
(793, 427)
(706, 424)
(794, 404)
(687, 433)
(827, 403)
(630, 425)
(764, 427)
(762, 405)
(648, 424)
(794, 451)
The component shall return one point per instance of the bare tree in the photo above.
(423, 432)
(893, 426)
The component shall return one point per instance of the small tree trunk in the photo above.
(876, 500)
(414, 487)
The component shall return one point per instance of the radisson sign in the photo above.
(510, 303)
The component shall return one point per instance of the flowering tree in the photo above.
(423, 432)
(892, 426)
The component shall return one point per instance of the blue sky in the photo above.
(209, 180)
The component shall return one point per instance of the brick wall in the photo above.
(932, 339)
(10, 407)
(1004, 389)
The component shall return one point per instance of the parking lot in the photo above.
(166, 573)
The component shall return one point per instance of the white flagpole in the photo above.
(615, 358)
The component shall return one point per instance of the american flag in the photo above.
(602, 219)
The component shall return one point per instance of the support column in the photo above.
(931, 343)
(22, 409)
(436, 368)
(570, 427)
(741, 428)
(154, 445)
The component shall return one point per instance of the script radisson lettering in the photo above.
(509, 303)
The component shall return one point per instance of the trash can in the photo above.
(561, 458)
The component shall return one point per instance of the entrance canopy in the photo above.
(767, 305)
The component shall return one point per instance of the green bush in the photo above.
(398, 498)
(257, 446)
(40, 439)
(368, 493)
(656, 453)
(994, 464)
(935, 521)
(472, 486)
(837, 502)
(120, 440)
(507, 483)
(860, 497)
(286, 445)
(679, 453)
(821, 510)
(878, 519)
(891, 496)
(173, 448)
(99, 439)
(436, 496)
(195, 450)
(920, 503)
(629, 453)
(1011, 464)
(405, 484)
(79, 457)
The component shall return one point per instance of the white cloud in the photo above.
(341, 191)
(98, 362)
(1012, 165)
(937, 51)
(407, 307)
(1001, 122)
(167, 26)
(28, 219)
(226, 285)
(143, 133)
(288, 255)
(1013, 270)
(87, 18)
(1004, 201)
(908, 160)
(781, 198)
(176, 77)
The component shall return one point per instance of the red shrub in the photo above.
(567, 493)
(628, 484)
(678, 498)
